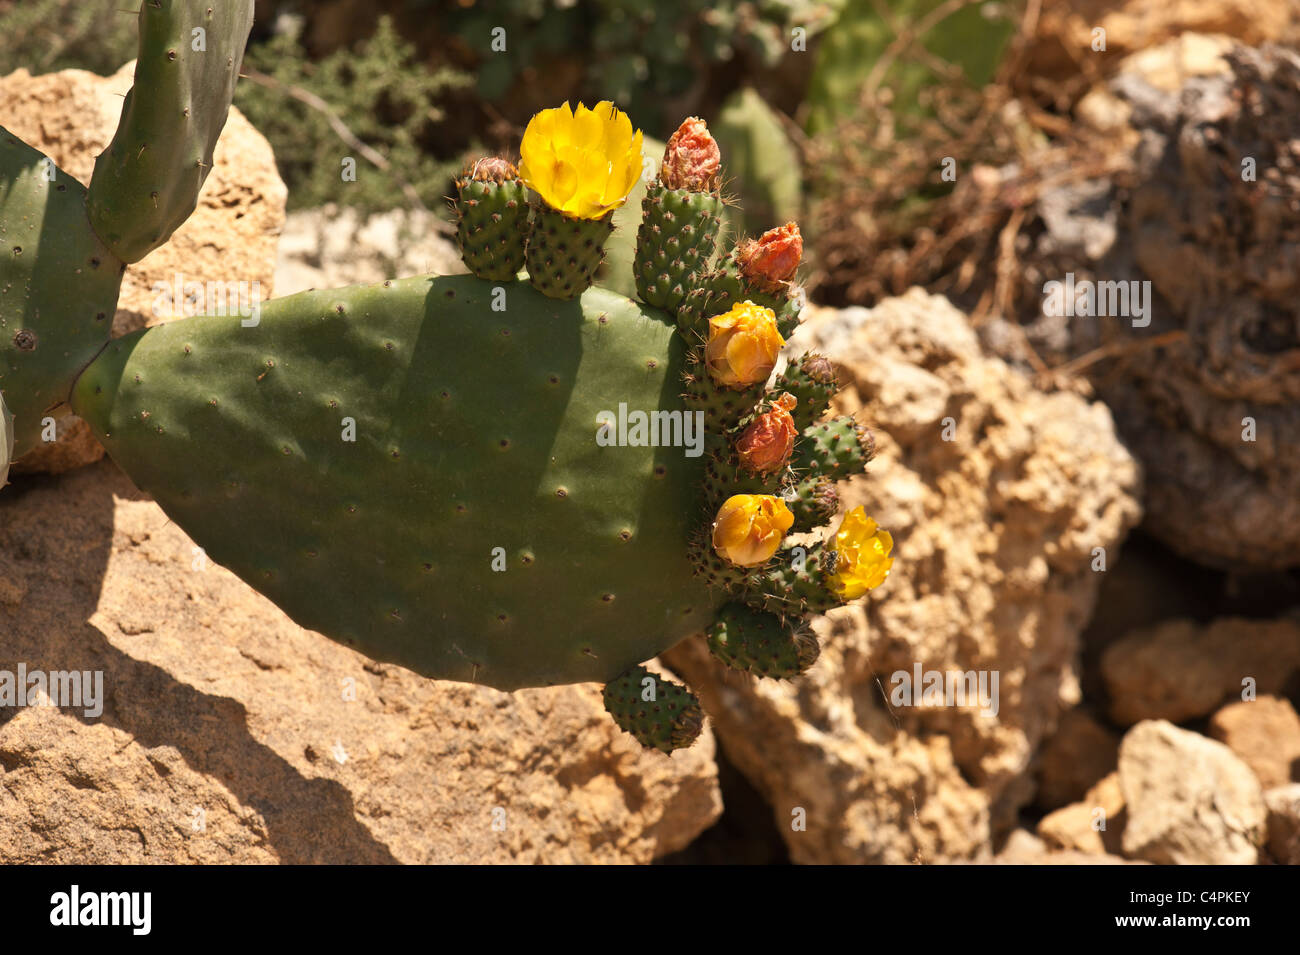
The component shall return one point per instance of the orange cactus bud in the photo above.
(743, 345)
(692, 158)
(766, 445)
(774, 257)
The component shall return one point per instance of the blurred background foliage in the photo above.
(836, 112)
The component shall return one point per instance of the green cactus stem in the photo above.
(437, 456)
(813, 501)
(761, 643)
(795, 582)
(837, 448)
(58, 288)
(492, 219)
(565, 251)
(810, 378)
(661, 714)
(147, 182)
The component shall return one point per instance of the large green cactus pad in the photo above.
(58, 287)
(147, 182)
(475, 429)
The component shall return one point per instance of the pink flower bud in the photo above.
(691, 159)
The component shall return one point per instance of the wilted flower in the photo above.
(583, 164)
(773, 257)
(749, 528)
(743, 345)
(765, 446)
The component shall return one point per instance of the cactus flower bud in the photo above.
(862, 551)
(749, 528)
(765, 446)
(773, 257)
(494, 169)
(743, 345)
(691, 159)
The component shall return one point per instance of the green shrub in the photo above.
(382, 94)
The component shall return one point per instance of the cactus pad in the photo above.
(564, 251)
(675, 242)
(762, 643)
(58, 288)
(482, 533)
(147, 182)
(492, 226)
(661, 714)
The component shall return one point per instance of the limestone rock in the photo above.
(1078, 827)
(1265, 733)
(1074, 758)
(333, 246)
(1284, 823)
(231, 237)
(1179, 670)
(1189, 799)
(995, 534)
(229, 734)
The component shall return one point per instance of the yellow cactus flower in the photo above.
(863, 552)
(583, 164)
(743, 345)
(749, 528)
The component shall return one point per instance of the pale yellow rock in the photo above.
(229, 734)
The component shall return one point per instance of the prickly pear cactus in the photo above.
(6, 441)
(514, 483)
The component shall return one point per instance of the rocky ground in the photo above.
(1145, 708)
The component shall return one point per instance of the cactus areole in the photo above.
(516, 477)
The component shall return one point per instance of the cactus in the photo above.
(443, 472)
(147, 182)
(6, 441)
(492, 219)
(754, 641)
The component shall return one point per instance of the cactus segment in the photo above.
(726, 285)
(661, 714)
(492, 220)
(796, 581)
(812, 380)
(58, 288)
(406, 470)
(724, 477)
(723, 407)
(675, 243)
(754, 641)
(813, 501)
(565, 251)
(836, 449)
(6, 441)
(147, 182)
